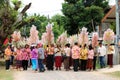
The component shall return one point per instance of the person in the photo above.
(25, 56)
(83, 57)
(70, 59)
(58, 57)
(8, 54)
(18, 58)
(110, 53)
(80, 59)
(95, 58)
(34, 57)
(50, 57)
(12, 55)
(75, 56)
(41, 57)
(67, 54)
(102, 53)
(90, 58)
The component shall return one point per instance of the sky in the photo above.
(47, 7)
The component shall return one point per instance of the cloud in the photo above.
(44, 7)
(48, 7)
(111, 2)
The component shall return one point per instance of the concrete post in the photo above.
(117, 31)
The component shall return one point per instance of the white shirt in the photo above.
(102, 51)
(57, 52)
(67, 51)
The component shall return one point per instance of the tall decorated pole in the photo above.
(72, 39)
(95, 38)
(34, 38)
(43, 39)
(16, 36)
(83, 37)
(108, 36)
(48, 36)
(62, 39)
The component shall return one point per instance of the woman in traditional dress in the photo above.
(58, 58)
(25, 56)
(50, 57)
(34, 58)
(83, 57)
(8, 54)
(111, 51)
(18, 58)
(75, 56)
(90, 58)
(95, 58)
(67, 54)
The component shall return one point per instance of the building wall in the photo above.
(103, 28)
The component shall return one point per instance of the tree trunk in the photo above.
(7, 28)
(93, 25)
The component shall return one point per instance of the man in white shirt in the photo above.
(102, 53)
(66, 60)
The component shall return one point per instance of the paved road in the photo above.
(61, 75)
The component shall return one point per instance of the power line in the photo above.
(52, 11)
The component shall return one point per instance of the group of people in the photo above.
(24, 57)
(80, 57)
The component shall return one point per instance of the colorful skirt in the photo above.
(58, 61)
(18, 63)
(89, 63)
(110, 59)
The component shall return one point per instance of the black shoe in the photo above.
(67, 69)
(75, 70)
(56, 68)
(48, 69)
(41, 71)
(59, 68)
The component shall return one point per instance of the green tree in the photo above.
(100, 3)
(39, 21)
(58, 27)
(79, 13)
(113, 26)
(11, 18)
(73, 11)
(94, 14)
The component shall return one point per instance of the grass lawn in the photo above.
(5, 75)
(115, 74)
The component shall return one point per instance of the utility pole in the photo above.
(117, 31)
(117, 18)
